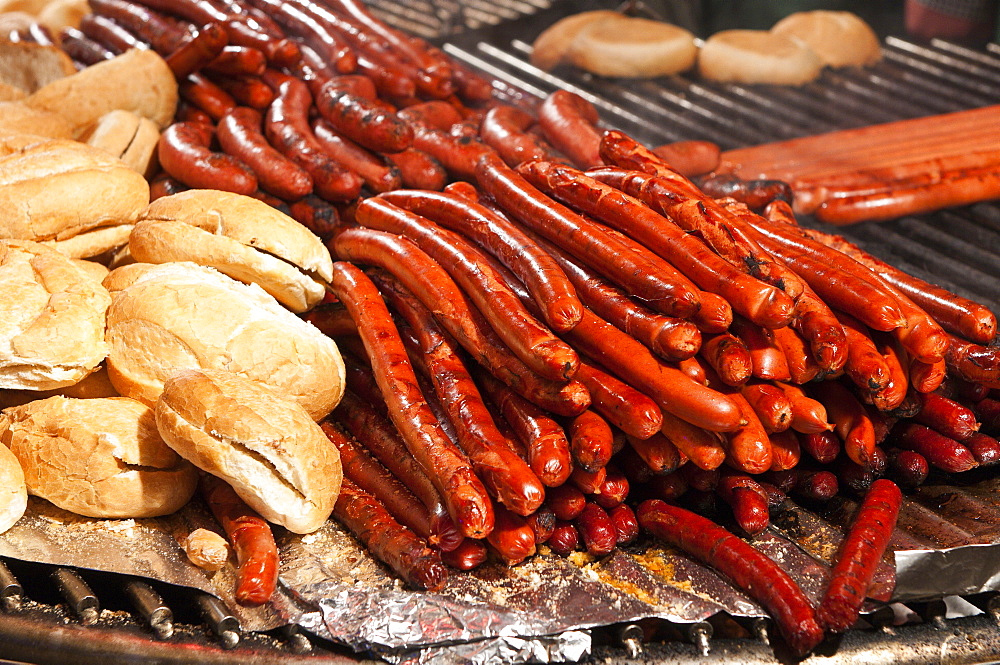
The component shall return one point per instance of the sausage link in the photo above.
(785, 450)
(590, 440)
(544, 439)
(512, 537)
(203, 94)
(985, 449)
(543, 277)
(747, 500)
(565, 539)
(468, 555)
(380, 437)
(703, 447)
(770, 404)
(246, 90)
(941, 451)
(801, 364)
(745, 566)
(435, 114)
(865, 365)
(755, 194)
(197, 50)
(907, 468)
(184, 153)
(163, 185)
(251, 538)
(625, 522)
(597, 530)
(729, 357)
(808, 414)
(161, 32)
(379, 175)
(458, 155)
(927, 377)
(239, 134)
(236, 61)
(859, 555)
(658, 452)
(819, 325)
(506, 475)
(504, 129)
(419, 170)
(768, 361)
(850, 420)
(542, 523)
(973, 362)
(463, 492)
(824, 447)
(109, 34)
(614, 490)
(690, 158)
(621, 405)
(388, 540)
(373, 125)
(287, 128)
(946, 416)
(748, 448)
(81, 49)
(569, 122)
(588, 482)
(894, 393)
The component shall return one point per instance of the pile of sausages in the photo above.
(545, 323)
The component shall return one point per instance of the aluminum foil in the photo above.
(543, 609)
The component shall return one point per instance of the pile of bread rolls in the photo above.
(142, 344)
(793, 52)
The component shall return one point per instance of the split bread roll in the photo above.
(551, 46)
(128, 136)
(266, 447)
(51, 318)
(757, 56)
(239, 236)
(55, 189)
(174, 316)
(840, 39)
(629, 47)
(19, 118)
(30, 66)
(13, 491)
(97, 457)
(138, 80)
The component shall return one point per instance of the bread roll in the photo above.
(551, 46)
(840, 39)
(96, 384)
(54, 189)
(174, 316)
(631, 47)
(757, 56)
(239, 236)
(31, 66)
(51, 318)
(138, 80)
(97, 457)
(60, 14)
(13, 491)
(19, 118)
(266, 447)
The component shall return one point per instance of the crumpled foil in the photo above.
(541, 610)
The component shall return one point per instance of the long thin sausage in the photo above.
(745, 566)
(462, 491)
(184, 153)
(569, 122)
(240, 134)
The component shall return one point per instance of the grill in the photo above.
(54, 614)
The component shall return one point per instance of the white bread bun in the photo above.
(60, 14)
(54, 189)
(19, 118)
(96, 384)
(32, 66)
(266, 447)
(13, 491)
(97, 457)
(94, 242)
(239, 236)
(10, 93)
(138, 80)
(175, 316)
(27, 6)
(96, 271)
(840, 39)
(127, 136)
(757, 56)
(551, 46)
(625, 46)
(51, 318)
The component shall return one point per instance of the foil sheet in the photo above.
(544, 609)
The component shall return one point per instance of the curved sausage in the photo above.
(184, 153)
(239, 134)
(569, 122)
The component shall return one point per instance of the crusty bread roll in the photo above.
(266, 447)
(551, 46)
(125, 135)
(840, 39)
(173, 316)
(97, 457)
(55, 189)
(757, 56)
(13, 491)
(94, 242)
(60, 14)
(19, 118)
(32, 66)
(95, 384)
(138, 80)
(239, 236)
(10, 93)
(626, 46)
(51, 318)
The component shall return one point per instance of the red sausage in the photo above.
(569, 122)
(239, 134)
(378, 174)
(512, 538)
(597, 530)
(419, 170)
(251, 538)
(623, 406)
(747, 500)
(745, 566)
(565, 539)
(943, 452)
(184, 153)
(373, 125)
(859, 555)
(504, 129)
(946, 416)
(590, 440)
